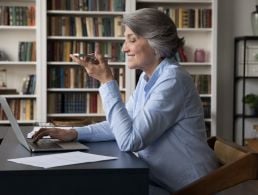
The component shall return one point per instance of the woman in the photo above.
(163, 119)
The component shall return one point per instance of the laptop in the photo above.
(43, 145)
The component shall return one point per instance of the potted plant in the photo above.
(251, 99)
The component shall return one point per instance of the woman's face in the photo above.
(139, 53)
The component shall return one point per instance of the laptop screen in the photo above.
(5, 106)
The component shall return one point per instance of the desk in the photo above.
(126, 175)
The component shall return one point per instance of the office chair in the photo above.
(237, 164)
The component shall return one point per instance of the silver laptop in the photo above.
(43, 145)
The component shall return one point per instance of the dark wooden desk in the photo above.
(126, 175)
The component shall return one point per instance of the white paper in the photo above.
(61, 159)
(35, 129)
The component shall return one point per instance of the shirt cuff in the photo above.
(83, 133)
(109, 93)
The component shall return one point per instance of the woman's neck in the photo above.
(152, 68)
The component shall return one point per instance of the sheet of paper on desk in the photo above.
(61, 159)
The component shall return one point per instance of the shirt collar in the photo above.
(159, 69)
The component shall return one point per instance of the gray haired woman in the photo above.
(163, 119)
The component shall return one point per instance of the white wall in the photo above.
(233, 20)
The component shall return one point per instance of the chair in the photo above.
(238, 164)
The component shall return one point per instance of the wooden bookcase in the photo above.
(197, 23)
(19, 66)
(74, 28)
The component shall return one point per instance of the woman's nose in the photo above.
(124, 47)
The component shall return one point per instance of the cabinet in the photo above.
(245, 82)
(74, 27)
(19, 58)
(197, 23)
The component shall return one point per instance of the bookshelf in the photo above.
(20, 64)
(74, 27)
(197, 23)
(245, 83)
(61, 28)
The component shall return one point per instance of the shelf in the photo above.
(76, 115)
(205, 95)
(247, 77)
(15, 63)
(195, 63)
(73, 13)
(244, 60)
(3, 122)
(76, 90)
(175, 1)
(86, 38)
(3, 27)
(75, 64)
(18, 1)
(246, 116)
(197, 30)
(20, 96)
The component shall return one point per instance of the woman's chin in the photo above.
(132, 66)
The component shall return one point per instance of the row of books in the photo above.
(99, 26)
(60, 50)
(23, 109)
(202, 83)
(76, 77)
(188, 17)
(27, 51)
(76, 102)
(206, 103)
(17, 15)
(180, 55)
(29, 84)
(87, 5)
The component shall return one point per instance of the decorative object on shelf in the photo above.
(252, 100)
(199, 55)
(3, 56)
(254, 21)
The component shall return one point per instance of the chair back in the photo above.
(238, 164)
(226, 151)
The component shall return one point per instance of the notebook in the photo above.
(43, 145)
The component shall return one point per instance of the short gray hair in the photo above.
(157, 28)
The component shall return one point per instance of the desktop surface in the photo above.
(126, 175)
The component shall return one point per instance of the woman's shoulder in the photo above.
(172, 69)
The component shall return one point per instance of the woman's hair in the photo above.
(157, 28)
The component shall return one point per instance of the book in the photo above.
(118, 27)
(9, 91)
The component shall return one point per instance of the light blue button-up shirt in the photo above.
(163, 121)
